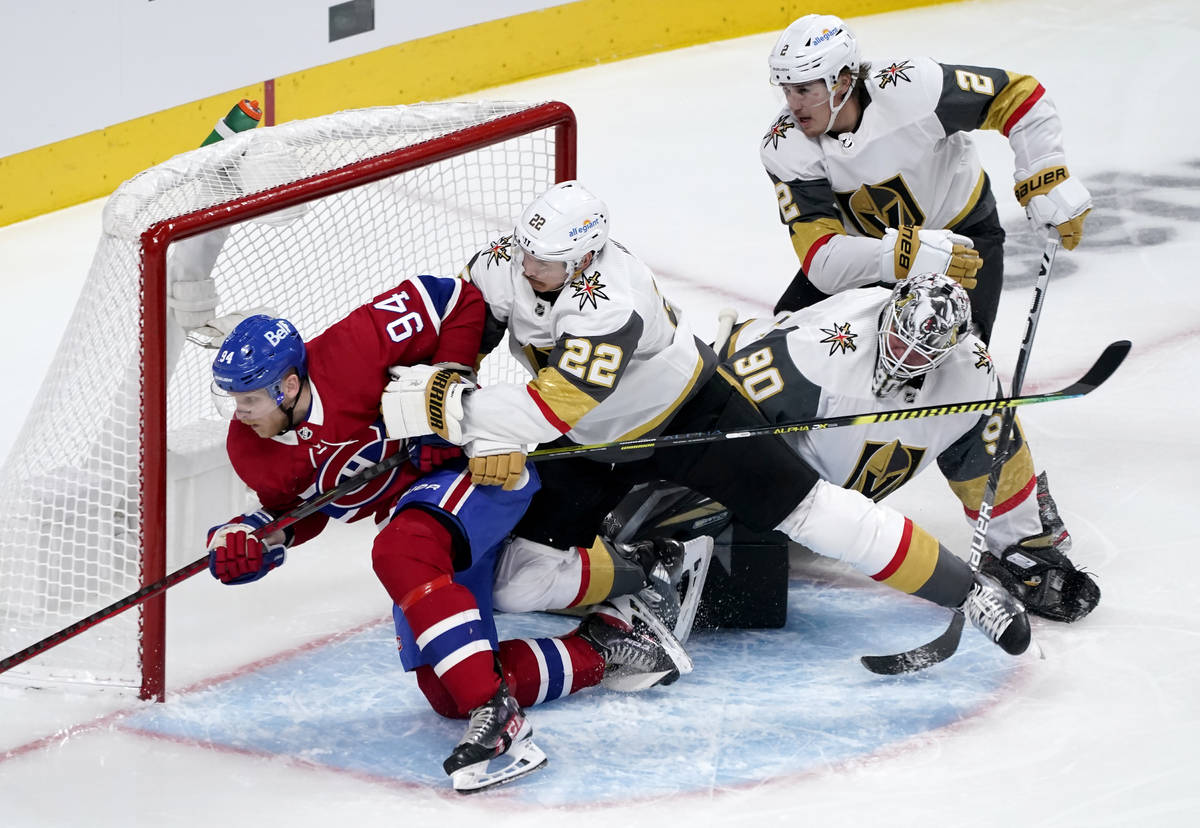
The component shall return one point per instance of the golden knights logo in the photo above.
(839, 338)
(778, 131)
(500, 250)
(894, 74)
(883, 467)
(588, 289)
(873, 208)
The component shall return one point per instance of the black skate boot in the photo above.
(675, 575)
(638, 650)
(997, 614)
(497, 728)
(1052, 523)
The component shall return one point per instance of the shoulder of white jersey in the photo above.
(835, 337)
(908, 88)
(972, 369)
(787, 153)
(492, 270)
(602, 298)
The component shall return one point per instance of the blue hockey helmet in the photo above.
(259, 353)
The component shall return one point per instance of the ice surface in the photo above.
(286, 705)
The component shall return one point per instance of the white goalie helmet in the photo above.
(815, 47)
(923, 321)
(564, 224)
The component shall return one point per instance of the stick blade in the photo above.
(918, 658)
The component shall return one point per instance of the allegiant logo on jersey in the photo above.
(587, 227)
(825, 35)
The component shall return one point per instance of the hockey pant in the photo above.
(436, 558)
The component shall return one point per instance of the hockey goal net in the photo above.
(121, 466)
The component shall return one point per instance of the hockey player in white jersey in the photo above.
(877, 350)
(615, 360)
(876, 176)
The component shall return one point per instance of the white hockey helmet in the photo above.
(920, 326)
(815, 47)
(563, 224)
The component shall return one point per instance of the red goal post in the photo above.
(121, 465)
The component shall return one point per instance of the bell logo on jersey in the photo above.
(883, 467)
(840, 339)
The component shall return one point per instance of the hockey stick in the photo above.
(946, 644)
(1101, 370)
(302, 511)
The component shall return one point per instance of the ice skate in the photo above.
(638, 649)
(677, 581)
(997, 614)
(498, 730)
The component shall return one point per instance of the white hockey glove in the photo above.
(425, 399)
(496, 464)
(912, 249)
(1052, 198)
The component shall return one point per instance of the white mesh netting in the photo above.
(70, 488)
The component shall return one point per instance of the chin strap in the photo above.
(834, 110)
(290, 411)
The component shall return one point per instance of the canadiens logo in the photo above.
(839, 338)
(894, 74)
(500, 250)
(349, 459)
(588, 289)
(304, 433)
(982, 358)
(778, 131)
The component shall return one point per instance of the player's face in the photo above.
(541, 274)
(259, 410)
(809, 103)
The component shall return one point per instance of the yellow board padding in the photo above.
(96, 163)
(441, 66)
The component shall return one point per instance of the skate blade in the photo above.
(524, 758)
(634, 607)
(697, 555)
(634, 682)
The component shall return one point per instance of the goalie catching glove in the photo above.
(912, 249)
(425, 399)
(237, 557)
(496, 464)
(1052, 198)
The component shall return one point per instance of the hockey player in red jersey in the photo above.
(305, 415)
(612, 359)
(876, 176)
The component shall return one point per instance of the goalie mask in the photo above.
(920, 325)
(257, 356)
(563, 225)
(816, 47)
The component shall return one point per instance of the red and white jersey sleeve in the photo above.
(611, 358)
